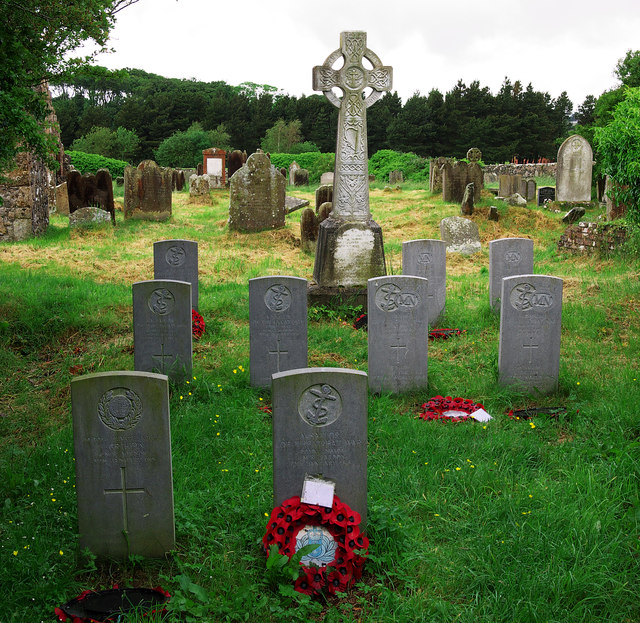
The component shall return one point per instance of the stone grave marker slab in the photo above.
(398, 333)
(122, 445)
(507, 257)
(162, 327)
(277, 326)
(530, 319)
(320, 429)
(147, 192)
(546, 193)
(326, 178)
(574, 170)
(177, 260)
(460, 234)
(427, 258)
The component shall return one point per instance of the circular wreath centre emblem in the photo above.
(320, 405)
(325, 553)
(120, 409)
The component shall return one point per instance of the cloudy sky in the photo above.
(561, 45)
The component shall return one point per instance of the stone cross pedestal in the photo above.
(349, 250)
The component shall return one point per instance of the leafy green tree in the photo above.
(121, 144)
(184, 149)
(280, 138)
(38, 38)
(618, 145)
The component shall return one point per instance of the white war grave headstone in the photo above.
(507, 257)
(177, 260)
(349, 249)
(277, 326)
(122, 445)
(530, 319)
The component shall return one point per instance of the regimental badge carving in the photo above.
(120, 409)
(524, 296)
(325, 553)
(425, 258)
(161, 301)
(390, 297)
(512, 257)
(320, 405)
(278, 297)
(175, 256)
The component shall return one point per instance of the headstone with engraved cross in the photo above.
(398, 333)
(123, 463)
(162, 329)
(349, 249)
(507, 257)
(277, 326)
(530, 318)
(177, 259)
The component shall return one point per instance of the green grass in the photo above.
(512, 521)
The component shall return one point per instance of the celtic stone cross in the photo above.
(351, 180)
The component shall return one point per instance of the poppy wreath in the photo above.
(288, 519)
(444, 334)
(197, 324)
(435, 408)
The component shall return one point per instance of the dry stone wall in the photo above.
(591, 237)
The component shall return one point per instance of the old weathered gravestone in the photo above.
(327, 178)
(256, 196)
(104, 193)
(236, 160)
(277, 326)
(397, 333)
(320, 428)
(123, 463)
(291, 204)
(428, 259)
(62, 199)
(350, 249)
(300, 177)
(293, 167)
(474, 154)
(573, 173)
(201, 185)
(507, 257)
(460, 234)
(86, 217)
(530, 318)
(456, 176)
(309, 226)
(177, 260)
(546, 193)
(324, 193)
(162, 328)
(466, 207)
(396, 177)
(531, 187)
(510, 184)
(435, 174)
(573, 215)
(147, 192)
(324, 210)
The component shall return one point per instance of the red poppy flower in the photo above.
(197, 324)
(336, 582)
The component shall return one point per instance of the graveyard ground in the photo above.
(513, 520)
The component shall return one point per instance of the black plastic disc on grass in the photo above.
(527, 414)
(102, 605)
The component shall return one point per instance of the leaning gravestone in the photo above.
(147, 192)
(466, 207)
(177, 260)
(123, 464)
(460, 234)
(507, 257)
(87, 217)
(350, 249)
(574, 168)
(309, 226)
(162, 328)
(530, 318)
(397, 333)
(277, 326)
(256, 196)
(320, 428)
(428, 259)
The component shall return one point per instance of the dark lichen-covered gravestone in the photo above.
(147, 192)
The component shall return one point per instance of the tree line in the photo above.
(516, 121)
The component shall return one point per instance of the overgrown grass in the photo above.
(512, 520)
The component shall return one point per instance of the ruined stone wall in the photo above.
(492, 171)
(591, 237)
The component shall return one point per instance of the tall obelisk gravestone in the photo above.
(349, 249)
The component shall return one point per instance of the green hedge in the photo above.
(414, 168)
(90, 163)
(315, 162)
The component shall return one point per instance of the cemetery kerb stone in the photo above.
(507, 257)
(277, 327)
(530, 319)
(574, 169)
(320, 429)
(427, 258)
(460, 234)
(349, 249)
(123, 463)
(256, 195)
(162, 329)
(398, 333)
(177, 260)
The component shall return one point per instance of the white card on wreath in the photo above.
(481, 416)
(318, 491)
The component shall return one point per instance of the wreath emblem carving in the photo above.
(120, 409)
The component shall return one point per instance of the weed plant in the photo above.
(507, 521)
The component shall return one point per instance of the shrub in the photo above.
(90, 163)
(414, 168)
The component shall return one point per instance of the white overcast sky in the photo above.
(561, 45)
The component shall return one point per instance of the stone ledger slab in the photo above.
(460, 234)
(122, 445)
(427, 258)
(177, 260)
(530, 322)
(277, 326)
(162, 328)
(507, 257)
(320, 429)
(398, 333)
